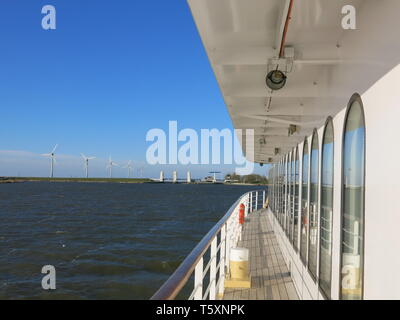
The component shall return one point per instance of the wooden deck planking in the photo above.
(270, 278)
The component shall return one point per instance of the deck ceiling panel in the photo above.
(330, 63)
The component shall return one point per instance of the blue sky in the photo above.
(111, 71)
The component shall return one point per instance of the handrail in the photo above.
(171, 288)
(193, 263)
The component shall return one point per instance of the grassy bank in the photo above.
(91, 180)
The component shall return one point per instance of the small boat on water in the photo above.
(208, 179)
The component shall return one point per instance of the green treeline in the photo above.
(251, 178)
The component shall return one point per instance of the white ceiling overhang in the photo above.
(330, 64)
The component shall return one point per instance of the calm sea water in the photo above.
(106, 241)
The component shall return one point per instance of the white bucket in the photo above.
(239, 254)
(239, 263)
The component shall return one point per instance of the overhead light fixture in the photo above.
(277, 151)
(270, 160)
(292, 129)
(276, 79)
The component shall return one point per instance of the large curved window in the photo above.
(313, 232)
(287, 193)
(278, 189)
(290, 197)
(281, 210)
(296, 201)
(278, 178)
(279, 192)
(274, 191)
(352, 235)
(283, 192)
(325, 249)
(304, 205)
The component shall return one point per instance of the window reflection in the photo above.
(352, 245)
(296, 201)
(313, 221)
(292, 190)
(304, 205)
(282, 192)
(288, 202)
(325, 268)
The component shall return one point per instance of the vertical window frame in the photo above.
(304, 259)
(328, 122)
(297, 187)
(313, 137)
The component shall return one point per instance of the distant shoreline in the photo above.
(101, 180)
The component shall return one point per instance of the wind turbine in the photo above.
(110, 165)
(52, 160)
(129, 167)
(86, 160)
(140, 172)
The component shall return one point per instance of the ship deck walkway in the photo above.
(270, 277)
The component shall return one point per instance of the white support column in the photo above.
(251, 201)
(198, 280)
(213, 269)
(222, 261)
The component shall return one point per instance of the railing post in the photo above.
(263, 198)
(227, 245)
(213, 269)
(251, 201)
(198, 280)
(247, 204)
(239, 225)
(234, 231)
(222, 261)
(256, 200)
(238, 229)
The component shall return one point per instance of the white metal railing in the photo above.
(218, 243)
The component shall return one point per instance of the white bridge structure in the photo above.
(174, 178)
